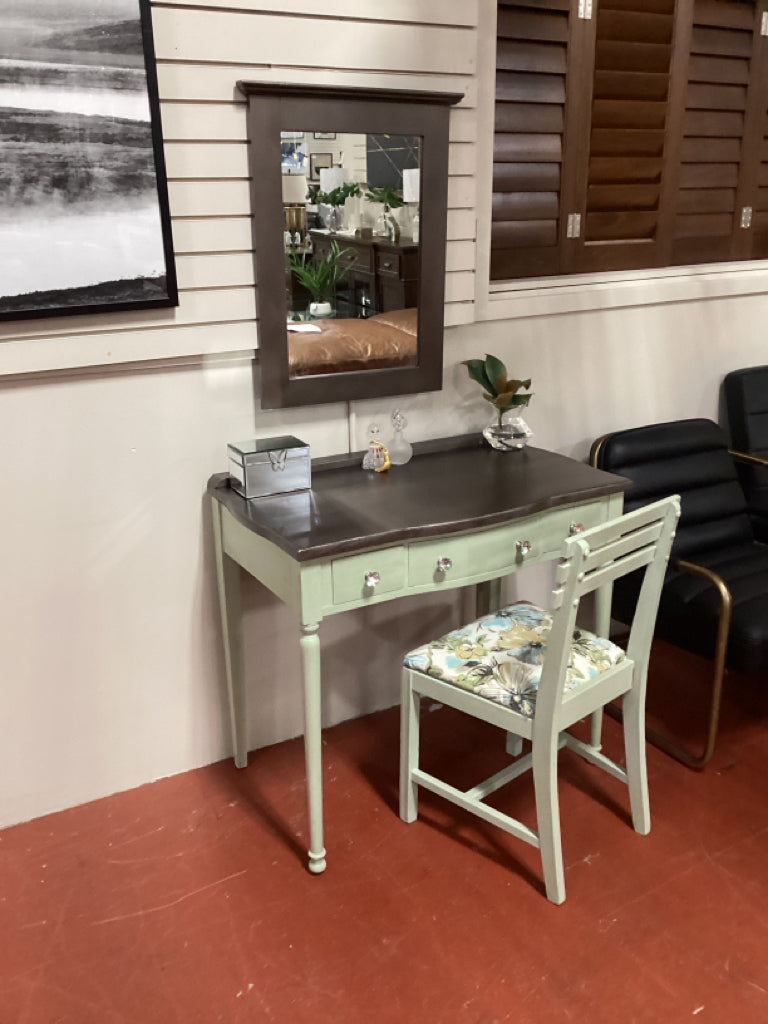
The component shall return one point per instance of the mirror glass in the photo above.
(349, 205)
(351, 239)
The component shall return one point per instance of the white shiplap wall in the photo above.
(202, 50)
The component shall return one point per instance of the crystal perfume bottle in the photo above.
(400, 450)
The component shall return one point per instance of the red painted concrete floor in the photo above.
(187, 900)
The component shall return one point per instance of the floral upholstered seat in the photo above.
(500, 656)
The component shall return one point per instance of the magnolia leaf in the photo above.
(496, 372)
(476, 370)
(513, 401)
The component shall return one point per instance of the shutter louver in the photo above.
(707, 208)
(630, 93)
(531, 63)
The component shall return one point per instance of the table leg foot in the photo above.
(316, 862)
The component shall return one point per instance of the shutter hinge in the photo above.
(746, 217)
(764, 24)
(573, 229)
(585, 9)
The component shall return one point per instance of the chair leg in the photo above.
(409, 748)
(548, 816)
(514, 744)
(634, 754)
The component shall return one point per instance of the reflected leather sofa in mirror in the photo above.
(410, 337)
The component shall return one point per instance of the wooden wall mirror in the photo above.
(356, 178)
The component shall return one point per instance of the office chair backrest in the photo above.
(746, 397)
(685, 457)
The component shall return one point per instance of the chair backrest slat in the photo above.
(639, 540)
(611, 549)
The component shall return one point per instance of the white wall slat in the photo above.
(233, 37)
(195, 307)
(425, 12)
(212, 234)
(210, 82)
(38, 355)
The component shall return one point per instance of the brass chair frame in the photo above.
(659, 739)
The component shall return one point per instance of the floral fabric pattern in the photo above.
(500, 656)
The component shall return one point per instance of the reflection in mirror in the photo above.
(349, 203)
(351, 239)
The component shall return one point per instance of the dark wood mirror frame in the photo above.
(273, 108)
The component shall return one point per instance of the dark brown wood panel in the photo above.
(529, 117)
(716, 96)
(721, 43)
(727, 70)
(531, 24)
(624, 169)
(709, 176)
(520, 233)
(630, 25)
(630, 85)
(526, 177)
(622, 197)
(620, 56)
(716, 123)
(708, 150)
(702, 225)
(620, 226)
(524, 147)
(627, 142)
(725, 14)
(519, 87)
(544, 58)
(510, 264)
(706, 200)
(521, 206)
(624, 113)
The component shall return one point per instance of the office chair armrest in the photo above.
(748, 457)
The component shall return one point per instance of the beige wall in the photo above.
(111, 670)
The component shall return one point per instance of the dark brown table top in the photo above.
(437, 493)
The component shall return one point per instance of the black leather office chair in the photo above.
(715, 596)
(746, 401)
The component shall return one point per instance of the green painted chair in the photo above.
(534, 674)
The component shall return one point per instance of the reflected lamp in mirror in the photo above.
(375, 240)
(294, 191)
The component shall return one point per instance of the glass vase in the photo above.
(508, 432)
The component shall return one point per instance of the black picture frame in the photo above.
(85, 222)
(319, 162)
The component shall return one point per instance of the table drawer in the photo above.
(348, 574)
(499, 549)
(388, 263)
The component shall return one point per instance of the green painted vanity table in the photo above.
(456, 515)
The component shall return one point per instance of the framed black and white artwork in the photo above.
(84, 217)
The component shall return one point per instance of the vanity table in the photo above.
(457, 515)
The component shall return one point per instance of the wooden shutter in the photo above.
(629, 107)
(757, 198)
(646, 124)
(531, 65)
(717, 153)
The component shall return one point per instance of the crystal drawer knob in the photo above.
(444, 564)
(523, 548)
(371, 579)
(576, 528)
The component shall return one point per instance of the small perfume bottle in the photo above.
(377, 457)
(400, 450)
